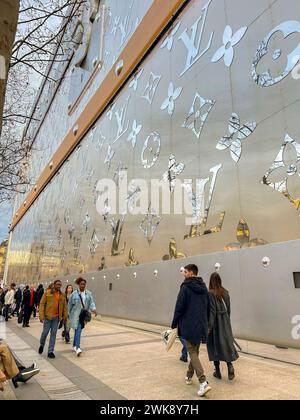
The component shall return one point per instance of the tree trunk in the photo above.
(9, 12)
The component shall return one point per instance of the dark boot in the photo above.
(25, 375)
(231, 372)
(217, 372)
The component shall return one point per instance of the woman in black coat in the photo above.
(220, 344)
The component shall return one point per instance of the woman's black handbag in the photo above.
(84, 316)
(21, 317)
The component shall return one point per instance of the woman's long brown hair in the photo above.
(215, 286)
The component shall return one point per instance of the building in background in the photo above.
(202, 90)
(3, 253)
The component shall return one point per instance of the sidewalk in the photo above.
(123, 362)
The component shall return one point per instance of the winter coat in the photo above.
(9, 297)
(26, 299)
(46, 306)
(75, 307)
(18, 296)
(220, 345)
(192, 311)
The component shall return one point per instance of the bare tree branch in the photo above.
(43, 44)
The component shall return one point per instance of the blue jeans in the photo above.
(53, 327)
(184, 352)
(77, 337)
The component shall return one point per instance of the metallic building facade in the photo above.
(217, 100)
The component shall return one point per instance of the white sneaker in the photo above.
(75, 349)
(78, 352)
(204, 389)
(188, 381)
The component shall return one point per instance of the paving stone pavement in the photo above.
(122, 362)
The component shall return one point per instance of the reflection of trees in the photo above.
(42, 44)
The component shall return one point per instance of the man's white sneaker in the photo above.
(78, 352)
(188, 381)
(204, 389)
(75, 349)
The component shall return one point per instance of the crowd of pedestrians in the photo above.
(70, 310)
(201, 316)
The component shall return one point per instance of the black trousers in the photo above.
(27, 314)
(6, 312)
(17, 309)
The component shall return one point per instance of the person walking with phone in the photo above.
(220, 345)
(81, 305)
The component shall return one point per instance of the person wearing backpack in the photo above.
(81, 305)
(220, 345)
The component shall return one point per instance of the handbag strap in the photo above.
(81, 300)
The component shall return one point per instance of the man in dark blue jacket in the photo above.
(191, 318)
(18, 299)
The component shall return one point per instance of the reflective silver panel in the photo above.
(169, 102)
(136, 129)
(291, 170)
(174, 254)
(151, 150)
(198, 114)
(57, 239)
(150, 224)
(237, 133)
(230, 40)
(109, 157)
(151, 87)
(134, 83)
(193, 43)
(174, 170)
(117, 226)
(266, 79)
(169, 40)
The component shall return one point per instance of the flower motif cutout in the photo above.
(151, 150)
(264, 77)
(237, 133)
(150, 224)
(291, 170)
(169, 102)
(94, 243)
(230, 40)
(136, 129)
(198, 114)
